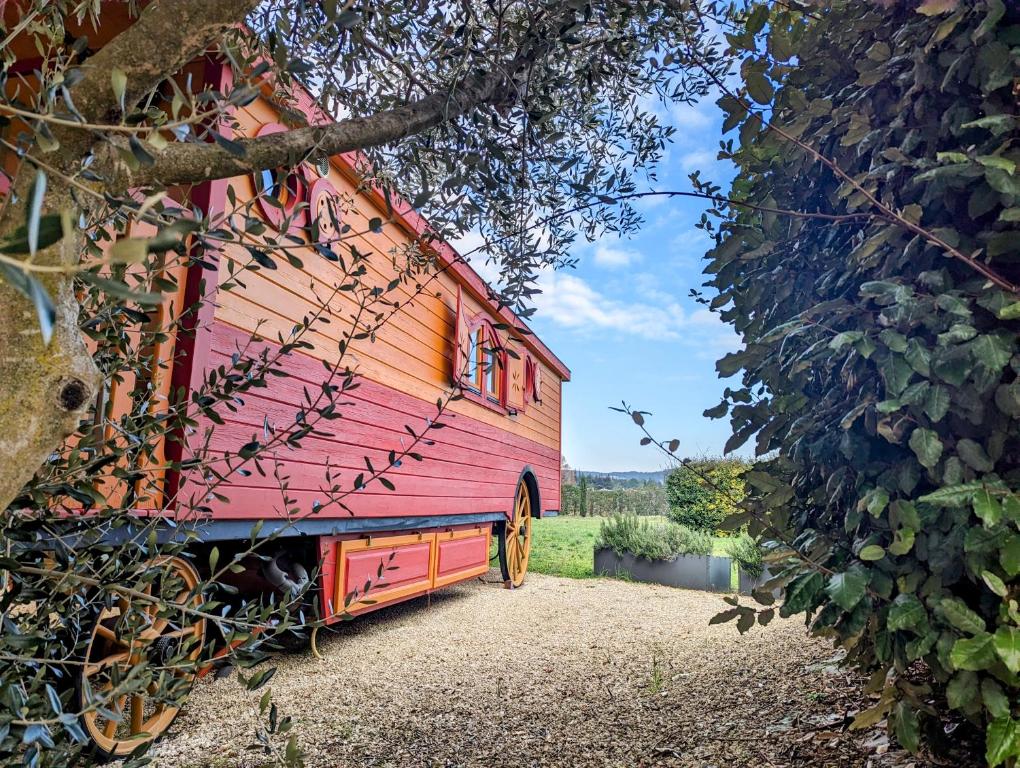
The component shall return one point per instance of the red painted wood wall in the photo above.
(475, 462)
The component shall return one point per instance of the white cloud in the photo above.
(652, 201)
(470, 246)
(688, 116)
(691, 242)
(569, 301)
(699, 158)
(607, 256)
(468, 243)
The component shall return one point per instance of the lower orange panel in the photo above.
(372, 571)
(461, 555)
(381, 569)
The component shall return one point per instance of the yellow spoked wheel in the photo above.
(515, 540)
(121, 710)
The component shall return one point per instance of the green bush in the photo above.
(881, 365)
(703, 492)
(651, 539)
(747, 553)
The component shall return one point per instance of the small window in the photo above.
(486, 363)
(278, 191)
(493, 376)
(278, 185)
(473, 376)
(532, 380)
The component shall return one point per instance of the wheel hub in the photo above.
(164, 649)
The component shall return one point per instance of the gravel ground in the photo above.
(560, 673)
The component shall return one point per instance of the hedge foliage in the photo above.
(704, 492)
(747, 554)
(649, 499)
(880, 370)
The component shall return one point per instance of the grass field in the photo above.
(563, 546)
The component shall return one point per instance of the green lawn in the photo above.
(563, 546)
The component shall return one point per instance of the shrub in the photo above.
(881, 357)
(702, 493)
(651, 539)
(681, 540)
(688, 498)
(747, 553)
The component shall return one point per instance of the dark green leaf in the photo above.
(907, 612)
(926, 446)
(847, 589)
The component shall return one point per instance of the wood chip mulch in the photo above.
(561, 673)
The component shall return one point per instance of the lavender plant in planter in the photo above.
(660, 552)
(753, 573)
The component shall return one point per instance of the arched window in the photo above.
(486, 363)
(279, 190)
(479, 359)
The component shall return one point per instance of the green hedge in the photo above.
(648, 499)
(881, 362)
(747, 554)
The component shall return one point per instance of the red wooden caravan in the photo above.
(494, 467)
(497, 459)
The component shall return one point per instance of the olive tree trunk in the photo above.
(45, 388)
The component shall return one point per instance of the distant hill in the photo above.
(642, 477)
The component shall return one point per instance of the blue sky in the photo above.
(622, 320)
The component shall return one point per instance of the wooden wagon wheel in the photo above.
(515, 539)
(121, 637)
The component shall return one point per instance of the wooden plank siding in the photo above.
(475, 462)
(471, 467)
(414, 351)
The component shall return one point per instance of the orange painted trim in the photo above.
(384, 543)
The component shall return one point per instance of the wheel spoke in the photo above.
(111, 724)
(107, 634)
(113, 658)
(137, 709)
(156, 629)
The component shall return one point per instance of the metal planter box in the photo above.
(749, 584)
(704, 572)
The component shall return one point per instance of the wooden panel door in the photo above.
(381, 569)
(461, 555)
